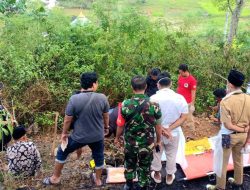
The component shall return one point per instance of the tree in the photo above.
(234, 20)
(12, 6)
(233, 7)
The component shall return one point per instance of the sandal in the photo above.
(153, 177)
(47, 182)
(93, 178)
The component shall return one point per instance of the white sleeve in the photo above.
(153, 99)
(183, 105)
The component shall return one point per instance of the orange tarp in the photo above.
(116, 175)
(201, 165)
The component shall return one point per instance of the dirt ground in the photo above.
(76, 173)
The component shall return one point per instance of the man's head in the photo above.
(89, 80)
(154, 73)
(219, 94)
(235, 80)
(19, 133)
(183, 70)
(164, 82)
(164, 74)
(138, 83)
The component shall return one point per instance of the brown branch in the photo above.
(216, 74)
(229, 6)
(54, 135)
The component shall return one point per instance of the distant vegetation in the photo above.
(200, 16)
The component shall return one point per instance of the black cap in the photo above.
(18, 132)
(236, 78)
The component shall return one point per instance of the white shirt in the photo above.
(172, 106)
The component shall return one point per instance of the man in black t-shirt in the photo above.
(151, 81)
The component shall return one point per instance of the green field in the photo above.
(198, 15)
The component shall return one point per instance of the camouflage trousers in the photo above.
(138, 161)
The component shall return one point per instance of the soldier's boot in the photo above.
(129, 185)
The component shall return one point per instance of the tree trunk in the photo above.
(235, 21)
(226, 26)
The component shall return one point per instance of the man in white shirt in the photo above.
(174, 112)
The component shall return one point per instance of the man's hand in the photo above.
(14, 122)
(106, 131)
(192, 108)
(246, 143)
(116, 141)
(167, 133)
(64, 137)
(158, 147)
(246, 129)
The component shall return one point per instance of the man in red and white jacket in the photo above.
(187, 87)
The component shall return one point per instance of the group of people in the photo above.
(150, 122)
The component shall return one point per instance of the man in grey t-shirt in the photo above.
(88, 112)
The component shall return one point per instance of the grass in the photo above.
(200, 15)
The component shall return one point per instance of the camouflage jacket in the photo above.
(5, 123)
(141, 129)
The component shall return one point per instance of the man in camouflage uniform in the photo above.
(139, 134)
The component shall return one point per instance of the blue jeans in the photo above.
(97, 149)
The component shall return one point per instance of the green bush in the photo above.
(42, 56)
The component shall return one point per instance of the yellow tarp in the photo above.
(197, 146)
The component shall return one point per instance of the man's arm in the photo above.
(66, 125)
(179, 121)
(233, 127)
(118, 133)
(248, 137)
(193, 94)
(158, 131)
(106, 122)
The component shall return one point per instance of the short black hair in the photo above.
(165, 81)
(220, 93)
(87, 79)
(183, 67)
(164, 74)
(138, 83)
(18, 132)
(155, 71)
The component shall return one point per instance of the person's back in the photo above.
(88, 109)
(238, 105)
(174, 110)
(143, 125)
(171, 105)
(23, 157)
(142, 120)
(234, 133)
(89, 113)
